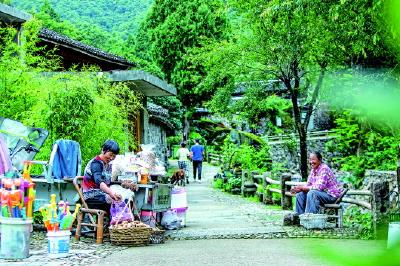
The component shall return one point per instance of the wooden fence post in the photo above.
(267, 194)
(245, 175)
(286, 201)
(379, 204)
(398, 169)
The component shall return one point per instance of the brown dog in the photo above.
(178, 177)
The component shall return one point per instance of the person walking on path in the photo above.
(197, 153)
(183, 154)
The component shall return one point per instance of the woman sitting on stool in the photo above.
(97, 178)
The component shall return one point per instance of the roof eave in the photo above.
(9, 14)
(147, 83)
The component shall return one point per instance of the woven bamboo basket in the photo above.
(133, 236)
(157, 236)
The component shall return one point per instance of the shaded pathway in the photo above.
(215, 214)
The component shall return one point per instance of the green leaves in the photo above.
(81, 106)
(70, 105)
(171, 31)
(362, 220)
(361, 147)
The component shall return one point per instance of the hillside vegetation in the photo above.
(120, 17)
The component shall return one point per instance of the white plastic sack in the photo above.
(170, 220)
(125, 193)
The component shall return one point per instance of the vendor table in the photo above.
(153, 197)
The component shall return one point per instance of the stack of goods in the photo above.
(17, 196)
(134, 233)
(147, 155)
(58, 221)
(58, 217)
(125, 167)
(138, 168)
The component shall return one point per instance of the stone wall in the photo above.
(287, 153)
(390, 176)
(156, 135)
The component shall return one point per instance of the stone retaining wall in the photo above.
(287, 153)
(390, 176)
(158, 136)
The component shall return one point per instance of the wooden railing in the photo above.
(376, 199)
(284, 185)
(215, 158)
(311, 134)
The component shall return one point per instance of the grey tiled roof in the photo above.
(159, 114)
(155, 109)
(50, 35)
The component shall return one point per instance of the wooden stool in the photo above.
(96, 216)
(96, 221)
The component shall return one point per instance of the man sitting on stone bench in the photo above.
(322, 187)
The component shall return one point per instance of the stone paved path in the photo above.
(215, 214)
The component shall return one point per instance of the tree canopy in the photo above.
(296, 43)
(171, 30)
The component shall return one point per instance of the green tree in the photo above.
(49, 10)
(81, 107)
(297, 42)
(171, 30)
(120, 18)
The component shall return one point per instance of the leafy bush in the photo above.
(356, 218)
(228, 182)
(82, 107)
(362, 147)
(218, 183)
(174, 140)
(233, 182)
(194, 135)
(245, 155)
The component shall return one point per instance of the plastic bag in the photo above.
(126, 194)
(170, 220)
(120, 212)
(147, 155)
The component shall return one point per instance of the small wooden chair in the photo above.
(336, 208)
(96, 216)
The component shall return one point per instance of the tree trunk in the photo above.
(294, 90)
(186, 129)
(303, 154)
